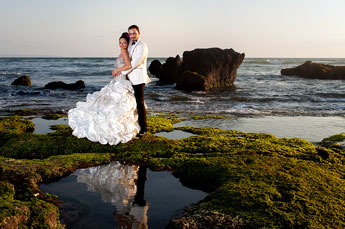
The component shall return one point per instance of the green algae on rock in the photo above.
(22, 203)
(162, 122)
(211, 116)
(270, 191)
(253, 180)
(15, 125)
(335, 138)
(39, 146)
(61, 130)
(27, 112)
(53, 116)
(335, 142)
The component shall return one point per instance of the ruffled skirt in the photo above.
(108, 116)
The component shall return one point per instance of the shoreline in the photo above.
(235, 168)
(310, 128)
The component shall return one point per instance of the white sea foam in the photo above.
(11, 74)
(261, 90)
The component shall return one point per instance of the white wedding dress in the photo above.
(108, 116)
(117, 185)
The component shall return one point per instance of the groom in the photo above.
(138, 51)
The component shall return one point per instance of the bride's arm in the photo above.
(127, 65)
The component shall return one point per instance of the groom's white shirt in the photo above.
(138, 54)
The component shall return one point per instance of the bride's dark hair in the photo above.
(125, 36)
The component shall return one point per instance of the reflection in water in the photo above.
(112, 196)
(122, 186)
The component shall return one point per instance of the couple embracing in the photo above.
(117, 112)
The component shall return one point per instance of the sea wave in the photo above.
(331, 95)
(84, 73)
(11, 74)
(247, 111)
(288, 62)
(257, 61)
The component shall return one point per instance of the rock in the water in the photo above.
(200, 70)
(167, 72)
(23, 80)
(61, 85)
(316, 71)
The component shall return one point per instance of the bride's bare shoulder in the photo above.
(124, 52)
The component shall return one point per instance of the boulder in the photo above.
(156, 68)
(316, 71)
(23, 80)
(61, 85)
(200, 70)
(167, 72)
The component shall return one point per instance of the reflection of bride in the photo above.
(109, 116)
(118, 185)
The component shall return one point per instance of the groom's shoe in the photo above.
(141, 134)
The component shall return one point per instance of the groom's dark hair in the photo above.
(134, 27)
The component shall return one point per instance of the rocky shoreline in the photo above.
(25, 80)
(253, 180)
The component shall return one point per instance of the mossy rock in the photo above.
(33, 146)
(162, 122)
(53, 116)
(335, 142)
(269, 191)
(15, 125)
(334, 138)
(253, 180)
(211, 116)
(27, 112)
(61, 130)
(31, 213)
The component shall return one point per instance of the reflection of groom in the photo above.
(138, 51)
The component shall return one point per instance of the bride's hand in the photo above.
(114, 73)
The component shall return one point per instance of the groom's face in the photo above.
(133, 34)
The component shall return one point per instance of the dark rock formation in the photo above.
(200, 70)
(23, 80)
(61, 85)
(167, 72)
(316, 71)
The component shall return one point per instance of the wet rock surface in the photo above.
(316, 71)
(196, 217)
(61, 85)
(23, 80)
(200, 69)
(254, 180)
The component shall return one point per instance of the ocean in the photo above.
(261, 91)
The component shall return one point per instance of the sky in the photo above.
(90, 28)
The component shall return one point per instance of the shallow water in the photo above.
(310, 128)
(116, 195)
(176, 134)
(42, 126)
(313, 129)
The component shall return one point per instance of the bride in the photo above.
(109, 116)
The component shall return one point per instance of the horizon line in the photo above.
(36, 56)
